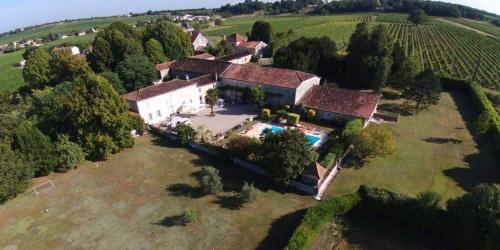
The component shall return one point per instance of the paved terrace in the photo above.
(225, 118)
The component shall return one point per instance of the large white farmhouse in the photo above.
(282, 86)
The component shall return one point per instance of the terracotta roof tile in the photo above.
(315, 170)
(284, 78)
(249, 44)
(341, 101)
(200, 66)
(163, 66)
(236, 38)
(157, 89)
(203, 80)
(206, 56)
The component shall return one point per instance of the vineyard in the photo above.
(448, 49)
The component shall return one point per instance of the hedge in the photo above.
(266, 114)
(328, 160)
(317, 216)
(293, 119)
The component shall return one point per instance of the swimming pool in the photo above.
(312, 138)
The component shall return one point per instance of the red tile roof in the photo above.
(206, 56)
(163, 66)
(157, 89)
(341, 101)
(315, 170)
(200, 66)
(249, 44)
(236, 38)
(234, 56)
(204, 80)
(284, 78)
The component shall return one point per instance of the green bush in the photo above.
(328, 160)
(189, 215)
(243, 146)
(185, 133)
(210, 181)
(311, 113)
(286, 107)
(281, 113)
(265, 114)
(337, 148)
(248, 192)
(293, 119)
(69, 154)
(316, 217)
(351, 130)
(486, 109)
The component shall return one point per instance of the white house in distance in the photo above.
(199, 41)
(282, 86)
(241, 44)
(237, 58)
(71, 49)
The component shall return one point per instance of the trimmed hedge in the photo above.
(265, 114)
(328, 160)
(484, 105)
(293, 119)
(317, 216)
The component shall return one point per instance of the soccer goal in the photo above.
(46, 186)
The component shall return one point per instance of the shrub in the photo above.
(351, 130)
(293, 119)
(189, 215)
(337, 148)
(99, 146)
(374, 141)
(281, 113)
(69, 154)
(248, 193)
(311, 113)
(328, 160)
(244, 146)
(286, 107)
(266, 114)
(185, 133)
(15, 174)
(210, 181)
(316, 217)
(137, 124)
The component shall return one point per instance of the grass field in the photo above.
(11, 77)
(444, 47)
(134, 200)
(68, 27)
(435, 151)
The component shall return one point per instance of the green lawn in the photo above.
(68, 27)
(11, 77)
(435, 151)
(134, 199)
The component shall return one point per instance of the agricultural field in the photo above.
(135, 198)
(67, 27)
(448, 49)
(435, 151)
(479, 25)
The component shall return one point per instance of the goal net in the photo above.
(46, 186)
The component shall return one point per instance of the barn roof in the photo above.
(157, 89)
(341, 101)
(200, 66)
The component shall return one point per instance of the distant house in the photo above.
(162, 69)
(202, 18)
(71, 49)
(21, 64)
(236, 39)
(199, 41)
(206, 56)
(82, 33)
(237, 58)
(187, 27)
(241, 44)
(256, 48)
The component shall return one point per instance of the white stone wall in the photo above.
(200, 40)
(158, 108)
(304, 87)
(203, 91)
(241, 60)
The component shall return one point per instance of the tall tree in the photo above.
(154, 51)
(261, 31)
(15, 174)
(374, 141)
(258, 96)
(417, 16)
(211, 98)
(398, 56)
(405, 75)
(176, 43)
(137, 72)
(66, 67)
(115, 81)
(36, 148)
(37, 70)
(425, 91)
(222, 48)
(287, 154)
(382, 74)
(90, 111)
(113, 44)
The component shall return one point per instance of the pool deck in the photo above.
(255, 131)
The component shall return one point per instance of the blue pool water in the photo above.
(312, 139)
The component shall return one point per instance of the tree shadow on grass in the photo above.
(231, 202)
(182, 189)
(442, 140)
(172, 221)
(281, 230)
(401, 109)
(482, 166)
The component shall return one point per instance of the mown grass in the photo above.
(135, 199)
(69, 27)
(435, 151)
(11, 77)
